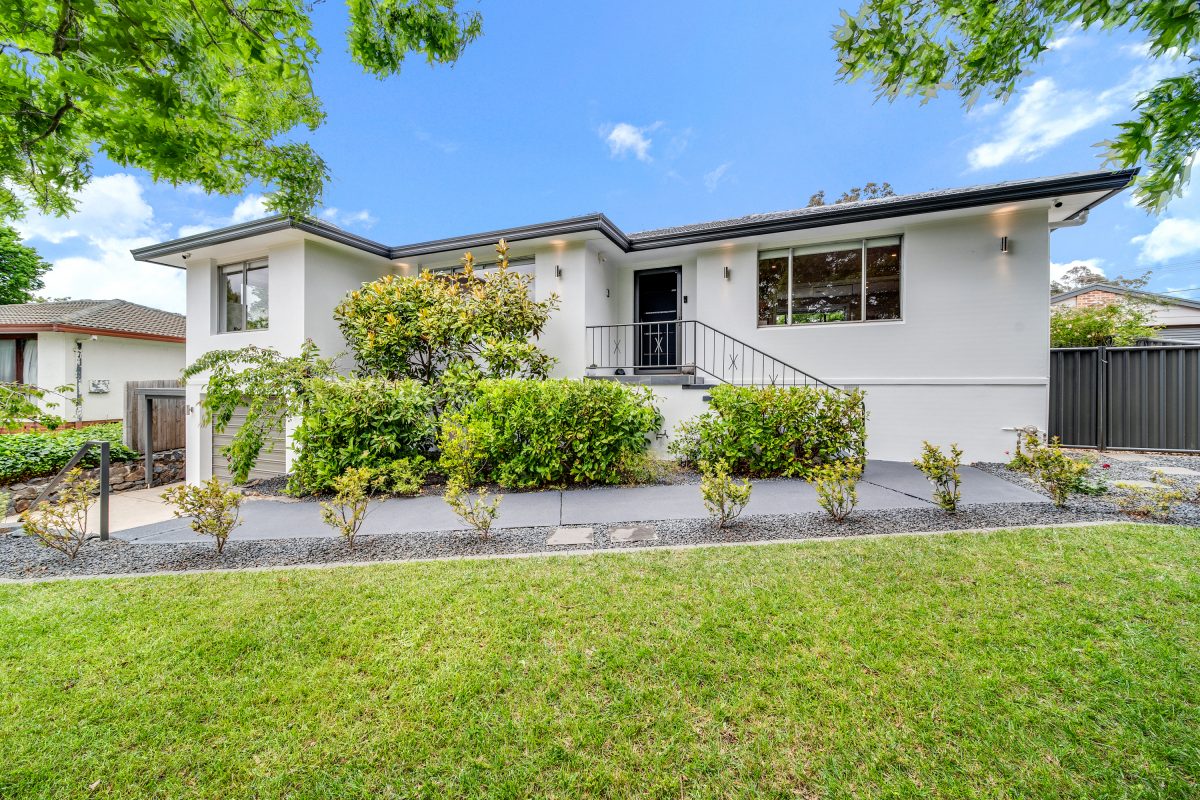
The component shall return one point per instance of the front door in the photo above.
(656, 309)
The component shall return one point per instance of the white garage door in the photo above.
(270, 460)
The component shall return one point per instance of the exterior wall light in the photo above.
(726, 273)
(1004, 244)
(557, 271)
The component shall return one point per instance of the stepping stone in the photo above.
(1175, 471)
(1138, 484)
(642, 533)
(575, 536)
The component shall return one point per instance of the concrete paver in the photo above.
(642, 533)
(572, 536)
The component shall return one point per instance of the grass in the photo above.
(1036, 663)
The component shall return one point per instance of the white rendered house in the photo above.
(92, 346)
(936, 304)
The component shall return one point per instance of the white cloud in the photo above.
(624, 139)
(1045, 115)
(106, 271)
(112, 206)
(352, 219)
(252, 206)
(713, 179)
(111, 217)
(1060, 269)
(1170, 238)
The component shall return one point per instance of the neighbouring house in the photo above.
(923, 300)
(92, 346)
(1178, 316)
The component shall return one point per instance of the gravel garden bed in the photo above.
(21, 557)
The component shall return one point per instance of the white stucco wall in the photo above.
(969, 357)
(111, 358)
(307, 279)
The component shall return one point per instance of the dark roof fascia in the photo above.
(1152, 297)
(259, 227)
(833, 215)
(562, 227)
(1109, 182)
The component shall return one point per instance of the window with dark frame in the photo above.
(852, 281)
(18, 360)
(243, 290)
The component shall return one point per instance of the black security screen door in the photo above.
(656, 297)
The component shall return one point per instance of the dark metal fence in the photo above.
(1126, 398)
(690, 347)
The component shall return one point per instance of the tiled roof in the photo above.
(118, 316)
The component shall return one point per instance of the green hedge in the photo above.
(767, 431)
(33, 455)
(359, 422)
(526, 434)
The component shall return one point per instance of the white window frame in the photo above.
(863, 243)
(222, 309)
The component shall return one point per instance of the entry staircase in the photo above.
(685, 352)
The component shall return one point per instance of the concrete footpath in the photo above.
(885, 485)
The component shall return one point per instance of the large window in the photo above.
(855, 281)
(18, 361)
(243, 290)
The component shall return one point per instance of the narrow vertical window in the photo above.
(773, 288)
(243, 297)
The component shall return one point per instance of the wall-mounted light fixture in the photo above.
(557, 271)
(1004, 244)
(726, 273)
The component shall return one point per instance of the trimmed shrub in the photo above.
(837, 487)
(525, 434)
(213, 507)
(351, 498)
(723, 497)
(404, 476)
(359, 422)
(62, 524)
(38, 453)
(942, 472)
(473, 509)
(769, 431)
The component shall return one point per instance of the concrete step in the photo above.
(656, 379)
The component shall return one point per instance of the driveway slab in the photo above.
(885, 485)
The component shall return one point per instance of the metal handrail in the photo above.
(690, 346)
(49, 488)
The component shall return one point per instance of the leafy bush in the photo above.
(348, 510)
(837, 487)
(359, 422)
(526, 434)
(404, 476)
(38, 453)
(473, 509)
(459, 326)
(942, 472)
(269, 386)
(62, 524)
(213, 508)
(1150, 502)
(1059, 474)
(723, 497)
(1117, 325)
(767, 431)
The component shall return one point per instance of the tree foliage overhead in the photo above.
(452, 329)
(985, 47)
(868, 191)
(191, 91)
(1082, 275)
(21, 268)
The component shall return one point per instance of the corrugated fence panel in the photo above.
(1074, 384)
(169, 417)
(1154, 398)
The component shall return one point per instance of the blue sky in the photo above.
(656, 114)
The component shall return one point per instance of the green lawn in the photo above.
(1024, 663)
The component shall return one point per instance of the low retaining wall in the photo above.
(122, 476)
